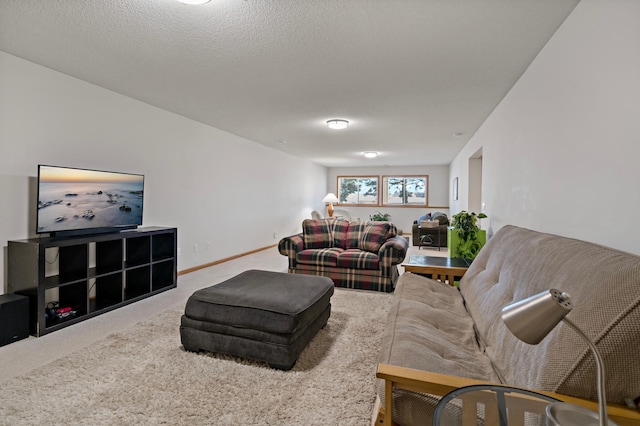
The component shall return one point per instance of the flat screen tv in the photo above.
(75, 201)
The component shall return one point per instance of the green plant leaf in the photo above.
(466, 227)
(378, 217)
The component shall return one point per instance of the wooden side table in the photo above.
(444, 269)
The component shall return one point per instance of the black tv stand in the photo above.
(91, 274)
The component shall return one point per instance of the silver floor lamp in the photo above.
(530, 320)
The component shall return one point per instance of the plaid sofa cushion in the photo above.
(354, 234)
(374, 235)
(363, 279)
(393, 231)
(358, 259)
(340, 231)
(317, 233)
(323, 257)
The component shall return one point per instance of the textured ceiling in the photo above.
(407, 74)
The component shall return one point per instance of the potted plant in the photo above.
(466, 236)
(380, 217)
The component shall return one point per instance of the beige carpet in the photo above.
(143, 376)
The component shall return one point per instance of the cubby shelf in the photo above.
(90, 274)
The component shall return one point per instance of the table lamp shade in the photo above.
(531, 319)
(330, 198)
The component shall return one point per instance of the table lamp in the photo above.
(530, 320)
(330, 198)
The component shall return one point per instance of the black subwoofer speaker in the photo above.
(14, 318)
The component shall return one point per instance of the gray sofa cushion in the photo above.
(440, 217)
(423, 217)
(428, 328)
(604, 285)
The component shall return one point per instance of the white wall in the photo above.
(213, 186)
(402, 217)
(561, 151)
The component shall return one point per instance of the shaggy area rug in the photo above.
(143, 376)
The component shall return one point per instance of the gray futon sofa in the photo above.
(435, 328)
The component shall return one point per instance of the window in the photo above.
(405, 190)
(358, 190)
(396, 190)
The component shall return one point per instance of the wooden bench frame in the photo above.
(440, 384)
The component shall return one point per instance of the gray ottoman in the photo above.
(260, 315)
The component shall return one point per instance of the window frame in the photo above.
(362, 177)
(384, 201)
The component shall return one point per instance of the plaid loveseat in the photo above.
(360, 255)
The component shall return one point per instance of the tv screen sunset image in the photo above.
(74, 199)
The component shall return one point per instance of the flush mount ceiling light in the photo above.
(370, 154)
(194, 1)
(337, 124)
